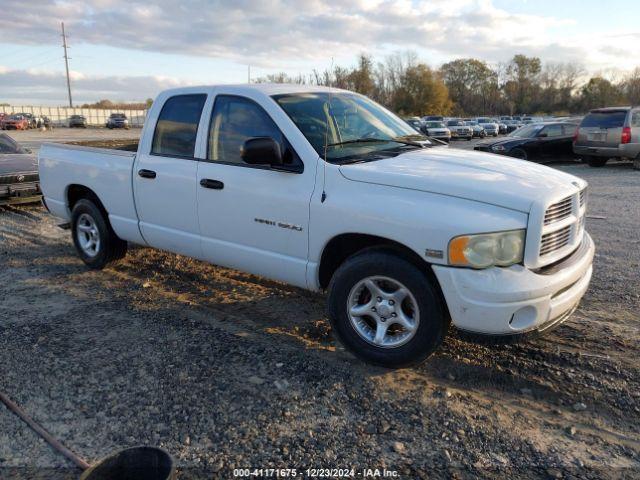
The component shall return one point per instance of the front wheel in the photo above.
(385, 310)
(94, 239)
(519, 153)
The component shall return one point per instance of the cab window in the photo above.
(234, 121)
(177, 127)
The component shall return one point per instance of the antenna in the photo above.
(66, 64)
(326, 139)
(248, 73)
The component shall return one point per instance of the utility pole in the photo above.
(248, 73)
(66, 64)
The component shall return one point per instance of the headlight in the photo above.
(497, 148)
(487, 249)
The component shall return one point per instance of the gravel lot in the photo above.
(225, 369)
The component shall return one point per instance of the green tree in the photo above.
(421, 91)
(600, 92)
(521, 87)
(472, 84)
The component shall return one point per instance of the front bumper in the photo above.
(516, 300)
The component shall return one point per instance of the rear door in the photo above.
(557, 142)
(164, 177)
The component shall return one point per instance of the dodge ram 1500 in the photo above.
(326, 190)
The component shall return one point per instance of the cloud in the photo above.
(271, 31)
(40, 87)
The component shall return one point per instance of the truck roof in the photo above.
(265, 88)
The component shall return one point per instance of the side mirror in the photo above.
(542, 135)
(262, 151)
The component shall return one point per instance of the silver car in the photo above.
(605, 133)
(437, 130)
(490, 127)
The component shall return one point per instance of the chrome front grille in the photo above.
(563, 227)
(558, 211)
(555, 240)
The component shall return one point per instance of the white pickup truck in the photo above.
(326, 190)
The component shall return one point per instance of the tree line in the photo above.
(469, 86)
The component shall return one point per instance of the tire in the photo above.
(597, 162)
(86, 215)
(636, 164)
(430, 320)
(519, 153)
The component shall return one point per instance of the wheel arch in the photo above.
(75, 192)
(345, 245)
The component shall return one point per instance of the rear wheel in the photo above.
(385, 310)
(94, 239)
(597, 161)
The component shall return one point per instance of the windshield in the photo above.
(347, 125)
(435, 125)
(528, 131)
(455, 123)
(8, 145)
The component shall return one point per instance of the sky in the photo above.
(129, 50)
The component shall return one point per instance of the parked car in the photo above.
(437, 130)
(19, 182)
(16, 122)
(459, 129)
(415, 123)
(32, 121)
(476, 128)
(502, 127)
(433, 118)
(530, 120)
(504, 118)
(395, 230)
(545, 142)
(512, 125)
(77, 121)
(606, 133)
(490, 126)
(117, 120)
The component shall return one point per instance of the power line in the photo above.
(66, 64)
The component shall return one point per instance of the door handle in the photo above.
(214, 184)
(147, 173)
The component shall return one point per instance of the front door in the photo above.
(252, 218)
(164, 179)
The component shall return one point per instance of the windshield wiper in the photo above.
(373, 139)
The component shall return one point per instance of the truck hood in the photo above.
(11, 163)
(477, 176)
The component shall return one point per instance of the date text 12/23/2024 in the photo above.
(314, 473)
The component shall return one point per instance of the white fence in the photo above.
(59, 116)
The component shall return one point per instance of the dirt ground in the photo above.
(228, 370)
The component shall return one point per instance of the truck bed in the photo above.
(106, 172)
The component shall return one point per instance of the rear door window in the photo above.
(613, 119)
(553, 130)
(177, 126)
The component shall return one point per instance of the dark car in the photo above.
(546, 142)
(117, 120)
(77, 121)
(19, 181)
